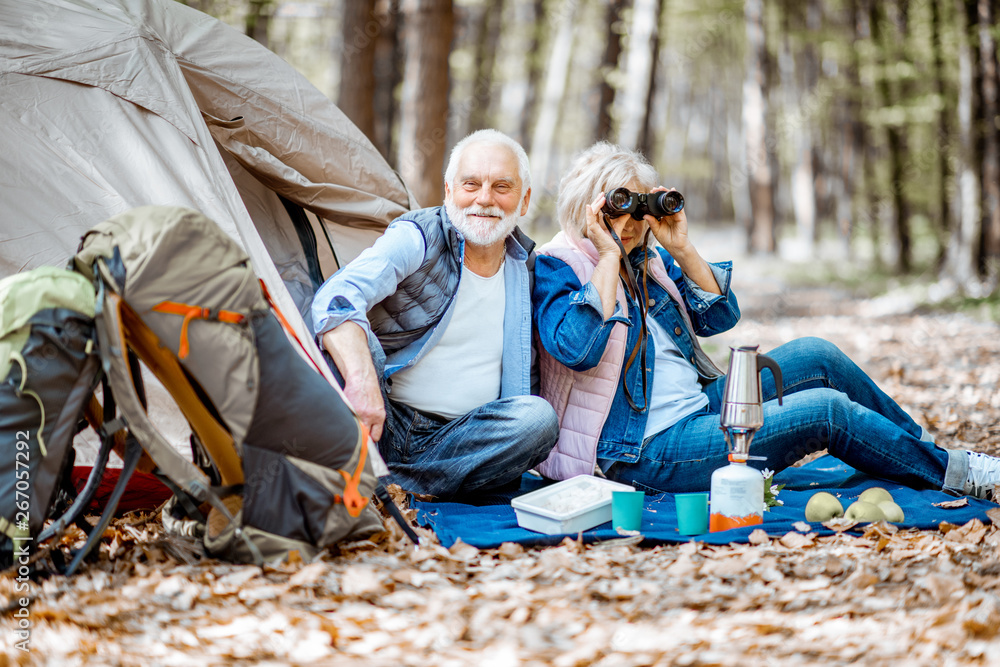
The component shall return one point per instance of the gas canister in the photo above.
(737, 497)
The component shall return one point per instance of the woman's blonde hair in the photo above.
(600, 168)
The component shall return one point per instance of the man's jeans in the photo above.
(828, 403)
(483, 450)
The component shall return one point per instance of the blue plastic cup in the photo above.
(692, 513)
(626, 509)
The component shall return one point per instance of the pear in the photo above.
(892, 511)
(864, 512)
(823, 506)
(875, 495)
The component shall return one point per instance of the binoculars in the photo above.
(658, 204)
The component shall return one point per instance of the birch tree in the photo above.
(556, 71)
(639, 63)
(760, 236)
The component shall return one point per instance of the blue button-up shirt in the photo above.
(376, 273)
(571, 326)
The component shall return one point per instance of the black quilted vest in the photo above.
(422, 298)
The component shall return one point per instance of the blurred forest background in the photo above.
(862, 132)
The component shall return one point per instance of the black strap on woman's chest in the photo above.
(627, 276)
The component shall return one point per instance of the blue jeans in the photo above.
(482, 450)
(829, 403)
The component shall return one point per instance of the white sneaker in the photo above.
(984, 474)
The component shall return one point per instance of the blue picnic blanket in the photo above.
(492, 521)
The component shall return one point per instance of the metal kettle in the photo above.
(742, 412)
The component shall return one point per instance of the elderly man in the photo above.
(430, 329)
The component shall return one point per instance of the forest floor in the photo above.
(881, 597)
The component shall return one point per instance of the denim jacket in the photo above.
(377, 272)
(572, 329)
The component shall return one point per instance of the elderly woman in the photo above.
(638, 400)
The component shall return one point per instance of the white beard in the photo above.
(481, 232)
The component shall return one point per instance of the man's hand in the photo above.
(348, 345)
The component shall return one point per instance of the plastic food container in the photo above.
(569, 506)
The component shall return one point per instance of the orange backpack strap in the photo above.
(353, 501)
(195, 313)
(288, 327)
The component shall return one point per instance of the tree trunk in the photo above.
(642, 35)
(760, 235)
(388, 75)
(258, 19)
(543, 137)
(961, 263)
(647, 139)
(718, 149)
(872, 207)
(798, 88)
(615, 23)
(944, 135)
(852, 138)
(894, 137)
(989, 253)
(491, 23)
(736, 152)
(357, 64)
(423, 126)
(538, 29)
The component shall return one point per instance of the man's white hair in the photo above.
(494, 137)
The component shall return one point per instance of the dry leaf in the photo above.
(462, 551)
(308, 575)
(510, 550)
(361, 581)
(972, 532)
(797, 540)
(982, 620)
(759, 536)
(952, 504)
(840, 524)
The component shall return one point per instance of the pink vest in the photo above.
(582, 400)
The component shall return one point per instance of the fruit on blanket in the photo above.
(862, 511)
(876, 495)
(892, 511)
(823, 506)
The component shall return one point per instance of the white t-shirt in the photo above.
(676, 392)
(461, 372)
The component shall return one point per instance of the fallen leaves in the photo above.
(870, 593)
(796, 598)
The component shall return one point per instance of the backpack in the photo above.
(285, 465)
(49, 369)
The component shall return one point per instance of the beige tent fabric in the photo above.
(106, 105)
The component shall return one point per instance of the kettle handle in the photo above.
(768, 362)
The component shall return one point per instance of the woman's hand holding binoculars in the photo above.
(598, 233)
(670, 230)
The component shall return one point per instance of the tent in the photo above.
(110, 104)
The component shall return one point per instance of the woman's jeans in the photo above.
(829, 403)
